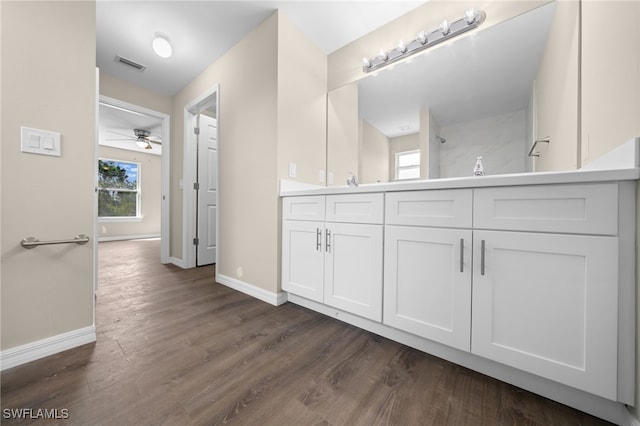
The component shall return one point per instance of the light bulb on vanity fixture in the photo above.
(445, 27)
(161, 45)
(446, 30)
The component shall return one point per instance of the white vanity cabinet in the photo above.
(336, 260)
(529, 279)
(545, 298)
(427, 270)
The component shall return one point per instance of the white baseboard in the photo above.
(275, 299)
(632, 420)
(178, 262)
(42, 348)
(129, 237)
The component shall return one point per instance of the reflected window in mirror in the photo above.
(408, 165)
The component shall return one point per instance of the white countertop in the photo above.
(540, 178)
(622, 163)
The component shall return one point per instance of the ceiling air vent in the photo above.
(130, 63)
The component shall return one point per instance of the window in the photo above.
(118, 189)
(408, 165)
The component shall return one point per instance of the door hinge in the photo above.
(196, 241)
(196, 186)
(196, 130)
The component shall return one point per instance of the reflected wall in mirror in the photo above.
(474, 96)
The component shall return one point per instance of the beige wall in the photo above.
(610, 76)
(302, 89)
(150, 196)
(248, 176)
(374, 155)
(125, 91)
(342, 133)
(48, 290)
(557, 92)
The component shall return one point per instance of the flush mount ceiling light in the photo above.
(472, 19)
(161, 46)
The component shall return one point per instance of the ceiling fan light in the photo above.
(142, 143)
(161, 46)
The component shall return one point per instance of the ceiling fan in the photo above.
(143, 138)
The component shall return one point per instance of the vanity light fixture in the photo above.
(472, 19)
(161, 46)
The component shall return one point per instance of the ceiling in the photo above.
(201, 32)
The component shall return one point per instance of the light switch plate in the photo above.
(36, 141)
(292, 169)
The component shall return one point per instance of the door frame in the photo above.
(189, 176)
(165, 170)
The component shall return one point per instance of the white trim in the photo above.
(165, 168)
(631, 419)
(96, 155)
(129, 237)
(178, 262)
(189, 177)
(275, 299)
(42, 348)
(120, 218)
(188, 192)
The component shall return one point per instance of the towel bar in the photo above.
(31, 242)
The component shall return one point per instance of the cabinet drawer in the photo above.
(303, 208)
(580, 209)
(441, 208)
(355, 208)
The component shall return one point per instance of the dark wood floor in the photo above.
(175, 348)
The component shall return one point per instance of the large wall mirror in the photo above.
(474, 96)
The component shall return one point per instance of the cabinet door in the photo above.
(353, 269)
(548, 304)
(302, 258)
(427, 283)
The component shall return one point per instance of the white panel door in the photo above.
(427, 283)
(353, 268)
(548, 304)
(303, 258)
(207, 190)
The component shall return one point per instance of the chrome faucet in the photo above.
(352, 181)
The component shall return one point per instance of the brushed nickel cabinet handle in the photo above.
(482, 257)
(461, 254)
(328, 241)
(318, 239)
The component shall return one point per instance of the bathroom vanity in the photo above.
(529, 278)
